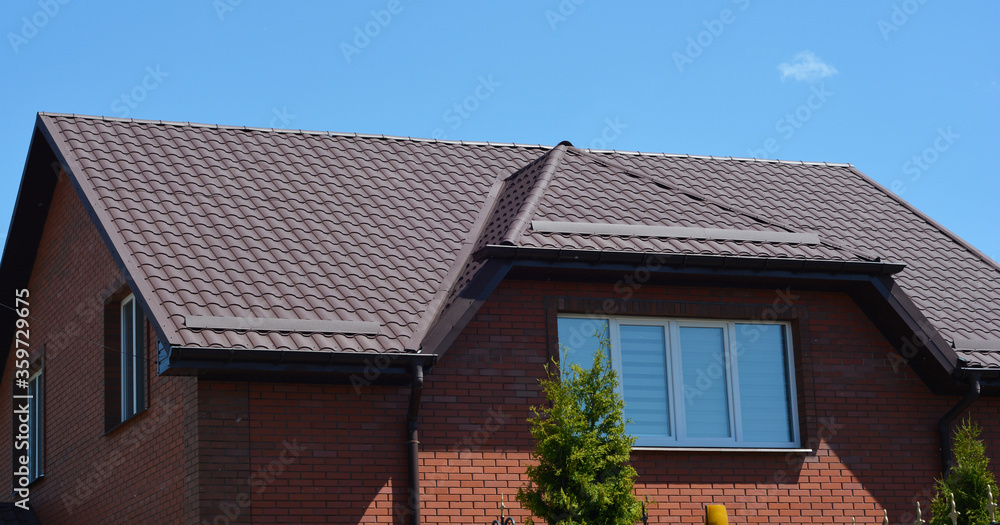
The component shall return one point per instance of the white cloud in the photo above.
(806, 66)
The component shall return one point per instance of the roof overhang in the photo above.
(34, 196)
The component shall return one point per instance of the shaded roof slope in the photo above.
(224, 222)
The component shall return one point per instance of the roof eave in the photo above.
(353, 368)
(923, 329)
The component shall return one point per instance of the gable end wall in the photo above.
(135, 472)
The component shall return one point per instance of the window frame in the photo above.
(132, 367)
(675, 388)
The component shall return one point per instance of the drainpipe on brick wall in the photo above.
(944, 425)
(413, 444)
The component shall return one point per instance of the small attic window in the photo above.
(36, 425)
(124, 359)
(133, 377)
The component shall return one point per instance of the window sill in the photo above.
(726, 449)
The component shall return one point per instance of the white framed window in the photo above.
(36, 424)
(133, 358)
(695, 383)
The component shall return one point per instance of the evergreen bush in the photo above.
(583, 476)
(968, 480)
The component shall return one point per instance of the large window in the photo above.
(133, 362)
(36, 442)
(692, 383)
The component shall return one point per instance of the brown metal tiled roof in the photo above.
(231, 222)
(224, 222)
(956, 286)
(570, 185)
(978, 353)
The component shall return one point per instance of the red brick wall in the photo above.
(135, 474)
(346, 461)
(223, 452)
(873, 426)
(285, 453)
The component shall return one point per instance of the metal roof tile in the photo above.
(226, 219)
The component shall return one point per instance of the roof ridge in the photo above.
(727, 206)
(294, 131)
(422, 139)
(961, 242)
(550, 161)
(518, 217)
(466, 267)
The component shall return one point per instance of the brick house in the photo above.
(236, 325)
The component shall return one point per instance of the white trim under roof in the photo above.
(643, 230)
(263, 324)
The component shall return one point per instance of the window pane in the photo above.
(706, 404)
(139, 348)
(579, 340)
(762, 361)
(644, 380)
(35, 427)
(128, 364)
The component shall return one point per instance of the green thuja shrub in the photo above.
(968, 481)
(583, 476)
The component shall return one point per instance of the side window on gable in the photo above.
(124, 361)
(28, 428)
(36, 418)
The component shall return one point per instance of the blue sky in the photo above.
(907, 91)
